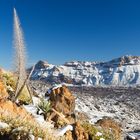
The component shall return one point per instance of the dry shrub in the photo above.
(24, 96)
(3, 92)
(16, 117)
(26, 127)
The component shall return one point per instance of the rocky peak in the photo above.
(41, 64)
(79, 64)
(126, 60)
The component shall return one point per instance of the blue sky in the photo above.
(65, 30)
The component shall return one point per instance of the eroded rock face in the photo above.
(63, 101)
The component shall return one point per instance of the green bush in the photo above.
(93, 131)
(45, 106)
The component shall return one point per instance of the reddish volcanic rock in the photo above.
(3, 92)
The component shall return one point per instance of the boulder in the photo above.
(63, 102)
(110, 124)
(10, 109)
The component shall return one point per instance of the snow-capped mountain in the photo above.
(123, 71)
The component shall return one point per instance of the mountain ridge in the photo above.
(122, 71)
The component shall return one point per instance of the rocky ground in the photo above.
(104, 107)
(67, 122)
(121, 104)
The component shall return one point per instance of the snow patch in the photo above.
(63, 130)
(3, 125)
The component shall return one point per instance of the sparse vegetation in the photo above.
(113, 126)
(24, 125)
(96, 133)
(44, 106)
(9, 80)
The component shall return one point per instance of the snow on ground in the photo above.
(88, 108)
(32, 108)
(63, 130)
(119, 103)
(3, 125)
(97, 108)
(43, 123)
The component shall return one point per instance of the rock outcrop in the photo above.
(10, 109)
(41, 65)
(112, 125)
(63, 102)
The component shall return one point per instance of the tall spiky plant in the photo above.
(20, 55)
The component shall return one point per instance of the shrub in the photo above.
(93, 132)
(20, 135)
(9, 79)
(44, 106)
(111, 125)
(25, 126)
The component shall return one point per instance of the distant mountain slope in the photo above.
(123, 71)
